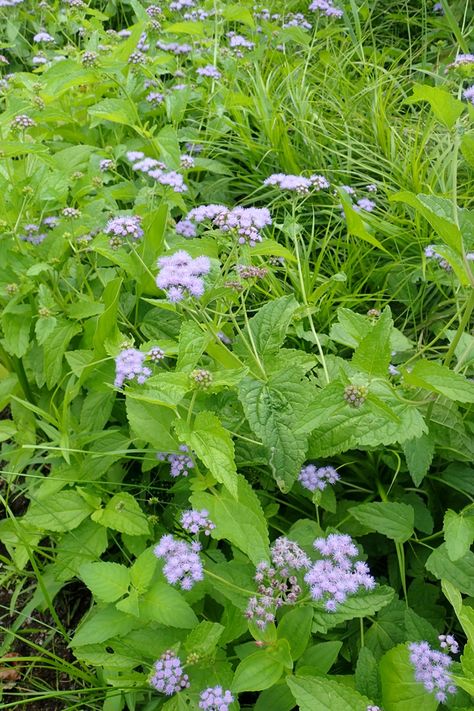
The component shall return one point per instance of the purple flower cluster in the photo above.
(432, 670)
(277, 583)
(187, 162)
(130, 365)
(186, 228)
(430, 253)
(365, 204)
(180, 463)
(297, 183)
(121, 228)
(373, 708)
(180, 4)
(180, 275)
(106, 164)
(174, 47)
(214, 698)
(461, 60)
(468, 94)
(209, 71)
(239, 42)
(169, 677)
(245, 221)
(157, 170)
(195, 521)
(297, 19)
(326, 7)
(32, 234)
(312, 477)
(183, 565)
(43, 37)
(448, 642)
(155, 98)
(23, 121)
(336, 576)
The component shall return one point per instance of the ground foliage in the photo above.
(341, 337)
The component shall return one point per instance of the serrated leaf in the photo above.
(419, 454)
(143, 570)
(152, 423)
(295, 627)
(123, 513)
(320, 657)
(213, 445)
(325, 695)
(439, 213)
(396, 521)
(366, 674)
(460, 572)
(102, 624)
(62, 512)
(444, 105)
(192, 344)
(16, 324)
(241, 520)
(373, 353)
(116, 110)
(440, 379)
(256, 672)
(356, 606)
(204, 638)
(458, 533)
(106, 581)
(418, 629)
(400, 691)
(163, 603)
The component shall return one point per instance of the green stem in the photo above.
(461, 328)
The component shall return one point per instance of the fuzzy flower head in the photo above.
(22, 122)
(209, 71)
(43, 37)
(326, 7)
(180, 275)
(130, 365)
(287, 555)
(32, 234)
(122, 228)
(183, 565)
(214, 698)
(195, 521)
(333, 578)
(169, 677)
(180, 463)
(448, 643)
(432, 670)
(468, 94)
(317, 478)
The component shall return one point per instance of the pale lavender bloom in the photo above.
(180, 275)
(461, 60)
(326, 7)
(209, 71)
(372, 188)
(169, 677)
(365, 204)
(124, 34)
(193, 147)
(72, 213)
(223, 338)
(133, 156)
(312, 477)
(336, 576)
(347, 189)
(136, 57)
(23, 121)
(197, 15)
(373, 708)
(297, 183)
(3, 59)
(180, 4)
(214, 698)
(179, 87)
(43, 37)
(319, 182)
(297, 20)
(186, 228)
(447, 641)
(470, 256)
(170, 178)
(186, 161)
(468, 94)
(287, 554)
(246, 221)
(10, 3)
(122, 227)
(437, 7)
(206, 212)
(195, 521)
(174, 47)
(51, 221)
(432, 670)
(183, 565)
(142, 44)
(155, 98)
(32, 234)
(144, 165)
(130, 365)
(106, 164)
(238, 41)
(392, 370)
(180, 463)
(154, 11)
(156, 354)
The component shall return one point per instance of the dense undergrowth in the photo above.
(236, 355)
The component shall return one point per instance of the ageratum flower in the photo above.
(43, 37)
(122, 228)
(245, 221)
(22, 121)
(214, 698)
(209, 71)
(183, 565)
(365, 204)
(447, 641)
(180, 275)
(180, 463)
(326, 7)
(32, 234)
(336, 576)
(432, 670)
(186, 228)
(312, 477)
(195, 521)
(169, 677)
(468, 94)
(130, 365)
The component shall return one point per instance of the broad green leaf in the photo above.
(106, 581)
(256, 672)
(238, 13)
(152, 423)
(393, 520)
(213, 445)
(458, 533)
(277, 698)
(273, 410)
(419, 454)
(464, 613)
(295, 627)
(163, 603)
(62, 512)
(107, 321)
(460, 476)
(192, 344)
(241, 520)
(123, 513)
(350, 328)
(162, 389)
(418, 629)
(440, 379)
(444, 105)
(167, 141)
(116, 110)
(460, 572)
(204, 638)
(185, 28)
(101, 624)
(313, 693)
(360, 605)
(355, 223)
(54, 349)
(143, 570)
(84, 544)
(467, 148)
(373, 353)
(16, 324)
(400, 691)
(439, 213)
(366, 674)
(320, 657)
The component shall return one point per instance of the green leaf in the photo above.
(106, 581)
(295, 627)
(356, 606)
(192, 344)
(152, 423)
(122, 513)
(458, 533)
(366, 674)
(163, 604)
(276, 698)
(256, 672)
(237, 13)
(440, 379)
(84, 544)
(241, 520)
(418, 629)
(54, 349)
(16, 324)
(460, 572)
(439, 213)
(143, 570)
(162, 389)
(116, 110)
(62, 512)
(102, 624)
(107, 321)
(213, 445)
(167, 141)
(419, 454)
(350, 328)
(204, 638)
(400, 691)
(373, 353)
(313, 693)
(393, 520)
(445, 107)
(320, 657)
(273, 410)
(355, 223)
